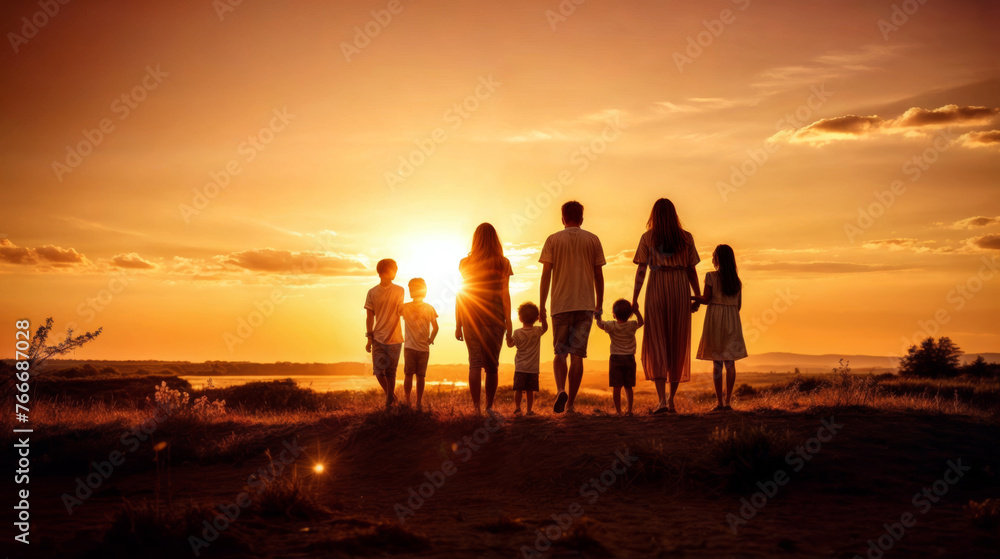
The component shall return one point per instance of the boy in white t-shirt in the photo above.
(527, 340)
(385, 337)
(421, 329)
(621, 366)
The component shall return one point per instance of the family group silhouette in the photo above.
(572, 281)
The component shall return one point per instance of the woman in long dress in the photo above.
(482, 310)
(668, 251)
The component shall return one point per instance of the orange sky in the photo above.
(820, 105)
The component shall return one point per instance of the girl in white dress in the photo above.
(722, 336)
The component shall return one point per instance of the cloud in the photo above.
(818, 267)
(948, 115)
(983, 139)
(914, 245)
(11, 254)
(273, 261)
(132, 261)
(986, 242)
(975, 222)
(914, 121)
(57, 256)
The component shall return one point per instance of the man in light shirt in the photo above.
(572, 262)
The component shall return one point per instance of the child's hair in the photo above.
(418, 287)
(572, 212)
(622, 309)
(527, 312)
(384, 265)
(728, 273)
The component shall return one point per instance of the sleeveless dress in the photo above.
(480, 306)
(722, 334)
(666, 336)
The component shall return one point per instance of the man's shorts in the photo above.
(385, 359)
(621, 371)
(526, 381)
(571, 331)
(415, 362)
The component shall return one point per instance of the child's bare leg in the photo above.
(420, 392)
(717, 379)
(517, 400)
(628, 397)
(531, 399)
(730, 380)
(407, 385)
(617, 397)
(475, 385)
(381, 381)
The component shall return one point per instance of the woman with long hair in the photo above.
(482, 310)
(668, 252)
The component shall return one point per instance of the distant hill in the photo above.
(765, 362)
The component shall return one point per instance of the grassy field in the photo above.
(515, 476)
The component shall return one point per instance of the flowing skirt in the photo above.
(722, 335)
(666, 336)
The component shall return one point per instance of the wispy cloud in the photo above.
(975, 222)
(824, 68)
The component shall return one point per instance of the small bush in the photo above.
(985, 515)
(745, 391)
(746, 454)
(375, 539)
(158, 530)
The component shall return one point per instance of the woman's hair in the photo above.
(728, 273)
(668, 235)
(487, 252)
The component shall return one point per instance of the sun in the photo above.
(435, 258)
